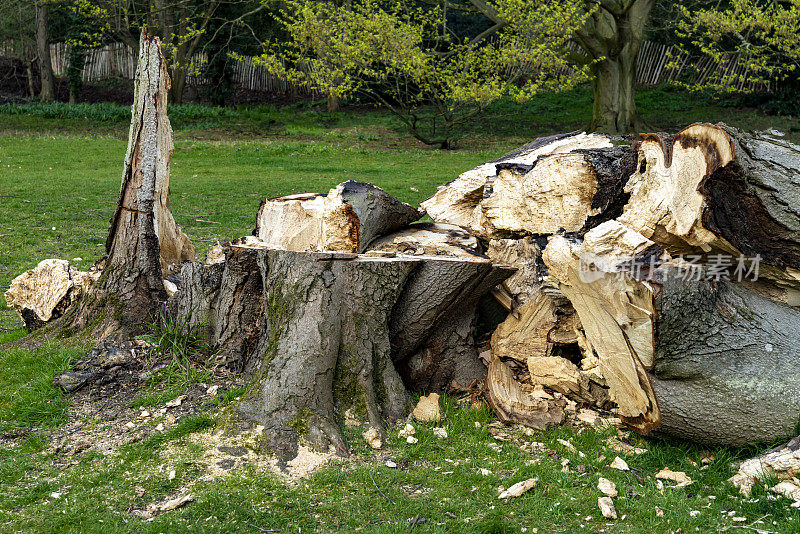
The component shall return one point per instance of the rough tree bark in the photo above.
(712, 360)
(320, 332)
(661, 348)
(47, 93)
(323, 347)
(143, 242)
(612, 37)
(434, 320)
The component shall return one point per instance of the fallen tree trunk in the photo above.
(573, 212)
(691, 346)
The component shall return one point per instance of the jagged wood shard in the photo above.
(45, 292)
(514, 402)
(488, 200)
(346, 219)
(429, 239)
(616, 313)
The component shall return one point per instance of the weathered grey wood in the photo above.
(727, 364)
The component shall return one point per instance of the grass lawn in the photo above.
(59, 177)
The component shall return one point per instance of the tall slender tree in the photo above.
(47, 92)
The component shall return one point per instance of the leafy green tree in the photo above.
(410, 61)
(182, 25)
(763, 36)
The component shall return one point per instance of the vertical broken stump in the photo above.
(143, 241)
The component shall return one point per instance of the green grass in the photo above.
(60, 168)
(438, 480)
(28, 398)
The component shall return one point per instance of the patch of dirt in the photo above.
(107, 382)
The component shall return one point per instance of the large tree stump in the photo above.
(346, 219)
(143, 241)
(322, 334)
(323, 348)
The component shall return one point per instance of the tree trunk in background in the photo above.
(612, 37)
(47, 94)
(613, 92)
(333, 104)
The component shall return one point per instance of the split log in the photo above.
(434, 320)
(458, 201)
(553, 183)
(429, 239)
(526, 256)
(724, 367)
(714, 189)
(514, 402)
(346, 219)
(45, 292)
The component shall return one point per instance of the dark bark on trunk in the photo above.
(333, 104)
(47, 93)
(443, 293)
(613, 91)
(320, 332)
(612, 37)
(727, 364)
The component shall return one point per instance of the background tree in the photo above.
(18, 33)
(47, 91)
(408, 59)
(763, 36)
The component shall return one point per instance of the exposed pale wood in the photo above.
(459, 202)
(616, 313)
(46, 291)
(526, 336)
(715, 189)
(514, 402)
(559, 192)
(526, 256)
(346, 219)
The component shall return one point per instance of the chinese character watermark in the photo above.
(691, 267)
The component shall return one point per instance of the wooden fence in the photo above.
(118, 60)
